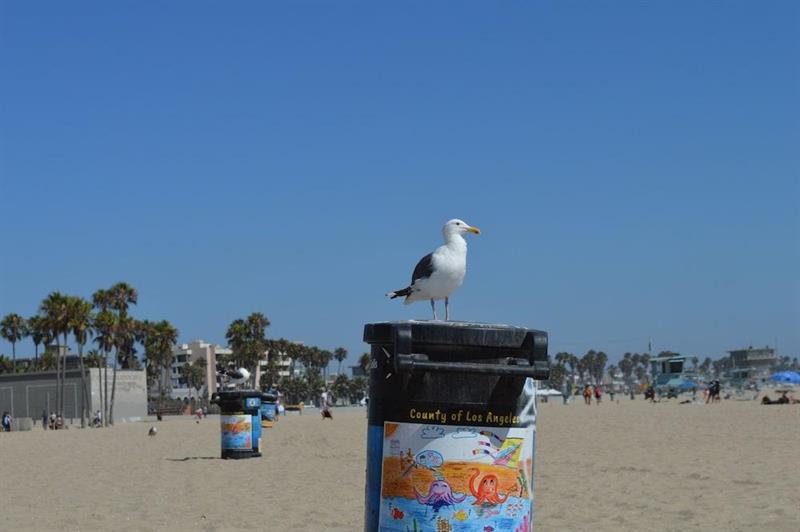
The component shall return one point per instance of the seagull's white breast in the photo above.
(449, 269)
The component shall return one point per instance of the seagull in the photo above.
(439, 274)
(236, 377)
(153, 431)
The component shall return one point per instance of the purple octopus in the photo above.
(439, 494)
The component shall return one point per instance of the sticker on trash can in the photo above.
(237, 431)
(450, 478)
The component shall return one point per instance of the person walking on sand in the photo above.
(44, 419)
(6, 422)
(325, 405)
(598, 393)
(587, 394)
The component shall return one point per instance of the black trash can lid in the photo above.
(455, 333)
(266, 396)
(228, 395)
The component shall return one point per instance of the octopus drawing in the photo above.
(486, 491)
(439, 494)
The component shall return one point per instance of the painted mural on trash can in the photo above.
(456, 478)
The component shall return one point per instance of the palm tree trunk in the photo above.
(105, 393)
(58, 380)
(36, 353)
(13, 357)
(113, 390)
(84, 397)
(64, 375)
(161, 389)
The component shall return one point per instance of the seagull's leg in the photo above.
(447, 309)
(433, 307)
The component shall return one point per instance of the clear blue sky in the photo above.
(633, 166)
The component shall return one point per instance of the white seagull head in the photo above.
(458, 227)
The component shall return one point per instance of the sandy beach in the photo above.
(618, 466)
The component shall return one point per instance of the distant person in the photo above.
(44, 419)
(611, 394)
(565, 389)
(52, 421)
(714, 389)
(633, 395)
(587, 394)
(598, 394)
(325, 405)
(6, 422)
(97, 421)
(650, 393)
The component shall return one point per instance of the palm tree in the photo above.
(572, 361)
(160, 344)
(341, 387)
(119, 297)
(48, 361)
(237, 335)
(364, 361)
(13, 328)
(626, 368)
(37, 330)
(105, 323)
(194, 373)
(56, 312)
(340, 353)
(325, 358)
(124, 338)
(257, 324)
(599, 366)
(81, 323)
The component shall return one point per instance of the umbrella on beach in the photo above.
(786, 376)
(688, 385)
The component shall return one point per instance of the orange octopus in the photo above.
(486, 493)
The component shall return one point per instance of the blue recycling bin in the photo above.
(269, 407)
(240, 423)
(451, 426)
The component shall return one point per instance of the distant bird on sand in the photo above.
(440, 273)
(153, 431)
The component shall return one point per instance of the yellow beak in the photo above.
(474, 230)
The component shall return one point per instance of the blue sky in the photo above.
(633, 166)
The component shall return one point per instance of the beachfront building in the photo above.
(284, 363)
(201, 350)
(186, 354)
(29, 395)
(755, 362)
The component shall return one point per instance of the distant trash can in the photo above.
(452, 419)
(239, 422)
(269, 407)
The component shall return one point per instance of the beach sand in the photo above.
(631, 466)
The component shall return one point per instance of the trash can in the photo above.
(269, 408)
(239, 422)
(452, 421)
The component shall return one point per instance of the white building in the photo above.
(198, 350)
(188, 353)
(284, 364)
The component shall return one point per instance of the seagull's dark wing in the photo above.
(424, 268)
